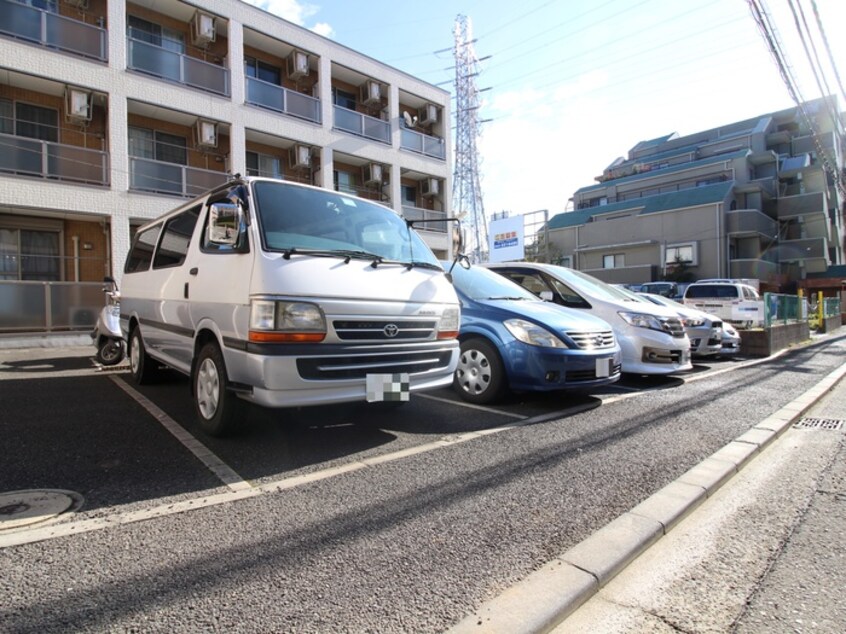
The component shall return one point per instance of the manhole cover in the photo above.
(24, 508)
(820, 423)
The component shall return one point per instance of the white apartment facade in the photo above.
(113, 112)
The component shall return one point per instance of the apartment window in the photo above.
(344, 182)
(680, 253)
(155, 34)
(158, 146)
(408, 195)
(36, 122)
(263, 165)
(262, 70)
(343, 98)
(51, 6)
(7, 121)
(615, 261)
(29, 255)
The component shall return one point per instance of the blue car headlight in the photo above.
(532, 334)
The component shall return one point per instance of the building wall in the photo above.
(85, 209)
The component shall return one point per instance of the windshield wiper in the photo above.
(507, 298)
(423, 265)
(346, 254)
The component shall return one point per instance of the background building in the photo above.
(761, 198)
(113, 112)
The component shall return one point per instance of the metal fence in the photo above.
(784, 309)
(49, 306)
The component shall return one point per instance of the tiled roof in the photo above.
(660, 202)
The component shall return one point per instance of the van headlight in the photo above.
(693, 322)
(286, 322)
(532, 334)
(450, 323)
(643, 320)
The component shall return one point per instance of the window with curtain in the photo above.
(29, 255)
(7, 121)
(263, 165)
(262, 70)
(155, 34)
(36, 122)
(159, 146)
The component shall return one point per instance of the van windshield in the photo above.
(295, 218)
(722, 291)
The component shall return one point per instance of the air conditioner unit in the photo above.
(297, 65)
(370, 93)
(299, 156)
(202, 29)
(78, 105)
(428, 114)
(371, 174)
(430, 187)
(79, 4)
(206, 133)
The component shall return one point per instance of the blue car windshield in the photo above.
(308, 219)
(480, 283)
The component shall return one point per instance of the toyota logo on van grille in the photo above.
(391, 331)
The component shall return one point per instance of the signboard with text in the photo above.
(506, 239)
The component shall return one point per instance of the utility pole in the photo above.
(466, 187)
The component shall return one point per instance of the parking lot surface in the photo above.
(347, 518)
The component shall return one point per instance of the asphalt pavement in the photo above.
(751, 540)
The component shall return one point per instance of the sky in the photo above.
(572, 85)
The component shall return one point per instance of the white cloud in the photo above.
(296, 12)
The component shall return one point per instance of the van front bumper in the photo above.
(319, 374)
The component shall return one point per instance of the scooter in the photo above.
(107, 336)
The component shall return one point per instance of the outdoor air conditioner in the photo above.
(370, 93)
(297, 65)
(371, 174)
(202, 29)
(430, 187)
(427, 114)
(78, 105)
(299, 156)
(206, 133)
(79, 4)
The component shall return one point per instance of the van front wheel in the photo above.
(215, 405)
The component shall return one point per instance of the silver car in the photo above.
(705, 331)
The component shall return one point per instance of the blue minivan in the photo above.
(513, 341)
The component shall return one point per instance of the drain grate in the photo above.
(832, 424)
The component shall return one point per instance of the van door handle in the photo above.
(194, 271)
(185, 291)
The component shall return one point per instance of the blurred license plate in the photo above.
(603, 367)
(387, 387)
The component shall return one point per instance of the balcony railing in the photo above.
(267, 95)
(31, 157)
(803, 249)
(173, 66)
(53, 30)
(423, 144)
(752, 268)
(370, 193)
(362, 125)
(147, 175)
(750, 221)
(431, 220)
(801, 204)
(49, 306)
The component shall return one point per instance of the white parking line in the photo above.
(205, 455)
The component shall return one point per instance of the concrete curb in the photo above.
(546, 597)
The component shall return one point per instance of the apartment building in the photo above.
(113, 112)
(761, 198)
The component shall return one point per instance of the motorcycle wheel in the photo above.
(110, 352)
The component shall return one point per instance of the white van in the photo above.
(652, 337)
(287, 295)
(732, 301)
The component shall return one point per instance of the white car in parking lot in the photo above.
(652, 337)
(705, 331)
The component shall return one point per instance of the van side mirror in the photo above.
(224, 223)
(546, 296)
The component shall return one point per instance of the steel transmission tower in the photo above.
(466, 188)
